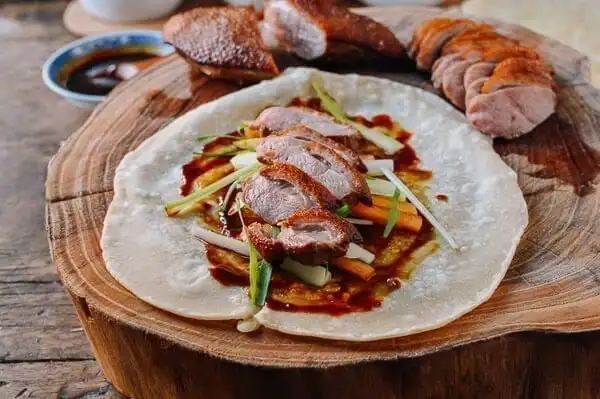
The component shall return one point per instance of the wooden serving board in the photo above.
(553, 283)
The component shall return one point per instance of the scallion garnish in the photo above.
(202, 139)
(392, 215)
(343, 211)
(260, 276)
(422, 208)
(185, 205)
(388, 144)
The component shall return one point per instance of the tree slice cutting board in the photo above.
(552, 285)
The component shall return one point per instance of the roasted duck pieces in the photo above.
(276, 119)
(506, 89)
(320, 29)
(279, 190)
(318, 161)
(223, 42)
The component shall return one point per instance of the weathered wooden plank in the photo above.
(77, 379)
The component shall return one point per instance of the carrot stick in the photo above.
(405, 220)
(384, 202)
(355, 267)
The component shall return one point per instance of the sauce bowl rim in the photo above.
(51, 81)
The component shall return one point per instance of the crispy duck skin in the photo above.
(279, 190)
(223, 42)
(264, 239)
(506, 89)
(276, 119)
(310, 28)
(316, 236)
(318, 161)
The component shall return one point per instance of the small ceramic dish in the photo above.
(129, 10)
(81, 53)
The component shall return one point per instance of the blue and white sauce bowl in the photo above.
(66, 66)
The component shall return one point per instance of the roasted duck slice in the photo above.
(301, 133)
(276, 119)
(264, 239)
(511, 111)
(318, 161)
(477, 71)
(279, 190)
(223, 42)
(312, 28)
(499, 53)
(316, 236)
(432, 43)
(453, 84)
(518, 72)
(440, 66)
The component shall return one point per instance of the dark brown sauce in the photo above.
(442, 197)
(560, 151)
(200, 164)
(345, 293)
(99, 72)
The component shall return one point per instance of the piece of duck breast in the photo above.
(453, 84)
(309, 28)
(499, 53)
(300, 133)
(318, 161)
(474, 89)
(315, 236)
(223, 42)
(431, 45)
(440, 66)
(276, 119)
(264, 239)
(477, 71)
(279, 190)
(512, 111)
(518, 72)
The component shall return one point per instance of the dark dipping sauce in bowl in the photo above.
(397, 256)
(99, 72)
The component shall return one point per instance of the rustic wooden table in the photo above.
(43, 350)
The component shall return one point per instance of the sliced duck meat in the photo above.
(500, 53)
(279, 190)
(321, 163)
(309, 28)
(421, 32)
(315, 236)
(474, 37)
(497, 81)
(432, 44)
(224, 42)
(264, 239)
(275, 119)
(440, 66)
(477, 71)
(453, 84)
(302, 133)
(521, 64)
(474, 89)
(518, 72)
(512, 111)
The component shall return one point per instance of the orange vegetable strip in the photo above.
(405, 221)
(384, 202)
(355, 267)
